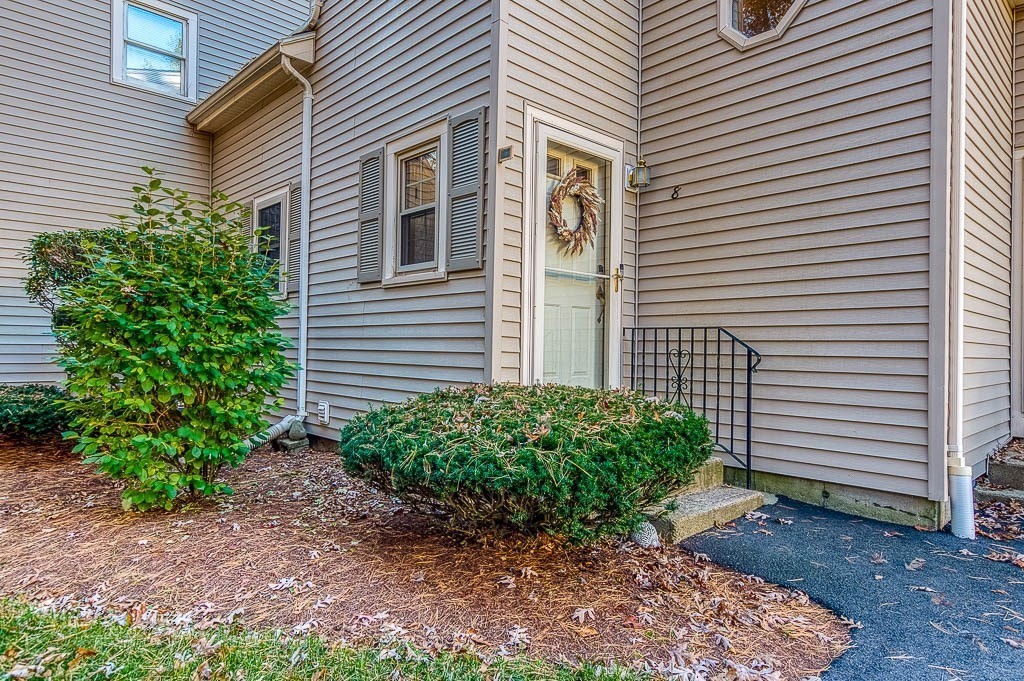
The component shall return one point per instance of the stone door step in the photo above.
(688, 514)
(985, 494)
(1009, 473)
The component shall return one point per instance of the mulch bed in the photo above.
(303, 547)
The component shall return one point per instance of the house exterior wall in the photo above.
(577, 61)
(1018, 78)
(988, 180)
(255, 155)
(74, 142)
(802, 223)
(385, 69)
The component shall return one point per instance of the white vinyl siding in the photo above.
(73, 141)
(802, 223)
(385, 70)
(579, 62)
(987, 220)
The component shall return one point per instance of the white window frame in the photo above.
(742, 42)
(282, 196)
(119, 13)
(394, 153)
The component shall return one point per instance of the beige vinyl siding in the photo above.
(987, 219)
(257, 154)
(802, 223)
(577, 61)
(1018, 79)
(384, 70)
(73, 142)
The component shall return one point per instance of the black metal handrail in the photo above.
(697, 366)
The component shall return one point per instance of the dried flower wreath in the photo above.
(579, 236)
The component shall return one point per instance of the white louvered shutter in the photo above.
(466, 191)
(371, 212)
(294, 237)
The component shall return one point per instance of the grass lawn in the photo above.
(49, 645)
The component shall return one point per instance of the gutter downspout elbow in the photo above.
(315, 7)
(304, 191)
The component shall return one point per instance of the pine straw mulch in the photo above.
(303, 547)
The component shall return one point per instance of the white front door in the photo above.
(576, 295)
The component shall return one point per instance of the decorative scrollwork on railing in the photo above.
(679, 380)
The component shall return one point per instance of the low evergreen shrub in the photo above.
(33, 412)
(574, 462)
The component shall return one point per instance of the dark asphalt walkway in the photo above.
(951, 612)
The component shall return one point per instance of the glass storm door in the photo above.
(576, 334)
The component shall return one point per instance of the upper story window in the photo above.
(746, 23)
(154, 47)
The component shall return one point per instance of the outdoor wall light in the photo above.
(639, 176)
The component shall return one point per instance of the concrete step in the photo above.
(1007, 473)
(984, 494)
(682, 516)
(707, 476)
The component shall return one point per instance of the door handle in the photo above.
(617, 277)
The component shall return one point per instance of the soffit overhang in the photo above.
(261, 77)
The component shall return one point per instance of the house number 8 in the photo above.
(675, 192)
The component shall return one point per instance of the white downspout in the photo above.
(306, 162)
(639, 155)
(961, 479)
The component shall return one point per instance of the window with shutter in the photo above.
(271, 233)
(371, 212)
(466, 191)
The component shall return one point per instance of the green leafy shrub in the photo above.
(31, 412)
(568, 461)
(173, 342)
(59, 259)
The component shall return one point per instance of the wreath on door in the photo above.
(577, 237)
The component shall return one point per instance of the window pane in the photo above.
(753, 17)
(152, 69)
(155, 30)
(268, 219)
(418, 238)
(419, 180)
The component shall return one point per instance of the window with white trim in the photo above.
(417, 212)
(270, 235)
(416, 173)
(154, 47)
(746, 23)
(421, 204)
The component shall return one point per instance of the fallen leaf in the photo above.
(916, 564)
(583, 614)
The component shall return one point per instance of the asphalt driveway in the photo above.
(931, 605)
